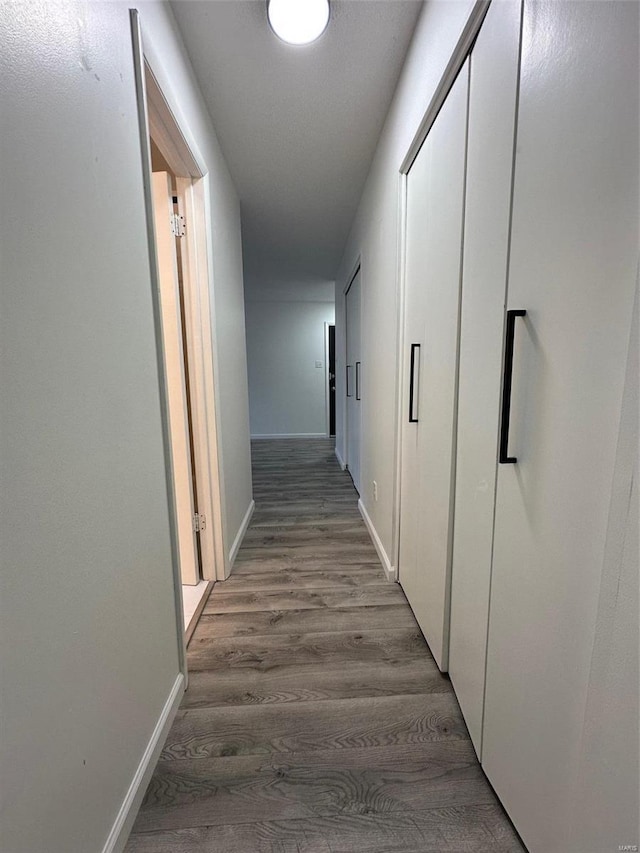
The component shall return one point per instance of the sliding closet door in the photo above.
(492, 109)
(574, 252)
(354, 379)
(435, 196)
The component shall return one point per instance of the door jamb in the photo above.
(170, 134)
(178, 147)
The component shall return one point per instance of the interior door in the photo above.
(492, 108)
(354, 379)
(435, 197)
(175, 376)
(574, 252)
(332, 380)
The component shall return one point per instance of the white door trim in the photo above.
(344, 459)
(400, 368)
(145, 144)
(457, 60)
(357, 269)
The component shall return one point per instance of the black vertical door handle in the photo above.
(507, 379)
(348, 374)
(412, 373)
(358, 380)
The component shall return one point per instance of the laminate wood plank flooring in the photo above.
(316, 720)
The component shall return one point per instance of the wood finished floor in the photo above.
(316, 720)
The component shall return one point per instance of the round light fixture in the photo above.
(298, 21)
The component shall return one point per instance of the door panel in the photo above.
(573, 259)
(435, 195)
(492, 112)
(174, 367)
(354, 360)
(332, 380)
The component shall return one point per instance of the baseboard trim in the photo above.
(237, 542)
(291, 435)
(340, 460)
(389, 570)
(129, 809)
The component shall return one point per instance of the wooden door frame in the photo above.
(174, 352)
(458, 57)
(172, 136)
(191, 172)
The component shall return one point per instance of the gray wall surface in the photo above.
(287, 391)
(88, 640)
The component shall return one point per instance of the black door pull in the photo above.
(414, 347)
(348, 374)
(358, 380)
(507, 379)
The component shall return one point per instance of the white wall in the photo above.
(285, 339)
(374, 236)
(88, 638)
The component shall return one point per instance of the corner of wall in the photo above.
(389, 570)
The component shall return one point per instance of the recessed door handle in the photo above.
(357, 380)
(348, 383)
(414, 347)
(507, 380)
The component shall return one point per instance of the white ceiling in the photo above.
(298, 125)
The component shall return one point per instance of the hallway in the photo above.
(316, 720)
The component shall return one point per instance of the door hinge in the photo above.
(177, 225)
(199, 522)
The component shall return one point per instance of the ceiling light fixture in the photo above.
(298, 21)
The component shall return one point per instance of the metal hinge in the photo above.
(177, 225)
(199, 522)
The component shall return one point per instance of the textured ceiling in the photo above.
(298, 125)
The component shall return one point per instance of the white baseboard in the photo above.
(128, 811)
(292, 435)
(389, 570)
(237, 542)
(340, 460)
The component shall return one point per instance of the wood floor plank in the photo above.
(300, 599)
(320, 682)
(205, 792)
(316, 720)
(454, 829)
(335, 576)
(275, 650)
(341, 533)
(305, 621)
(306, 726)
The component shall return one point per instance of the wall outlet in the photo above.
(375, 491)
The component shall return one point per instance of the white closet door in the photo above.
(435, 196)
(354, 380)
(492, 109)
(574, 252)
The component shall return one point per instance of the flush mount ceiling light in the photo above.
(298, 21)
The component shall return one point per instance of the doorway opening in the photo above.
(330, 361)
(181, 268)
